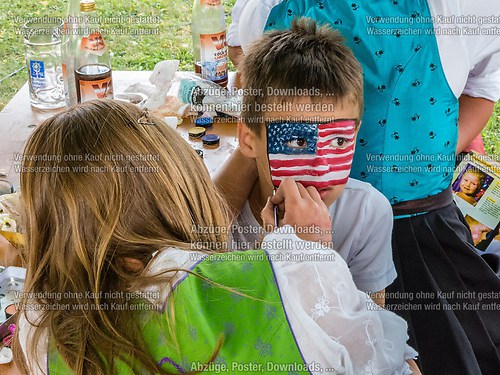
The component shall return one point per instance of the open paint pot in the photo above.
(196, 133)
(210, 141)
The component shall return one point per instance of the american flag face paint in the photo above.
(314, 154)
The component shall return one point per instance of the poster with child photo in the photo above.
(476, 188)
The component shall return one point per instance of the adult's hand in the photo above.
(303, 209)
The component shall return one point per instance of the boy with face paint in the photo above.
(302, 126)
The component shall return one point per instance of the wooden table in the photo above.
(18, 119)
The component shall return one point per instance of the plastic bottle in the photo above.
(208, 28)
(70, 40)
(206, 96)
(92, 66)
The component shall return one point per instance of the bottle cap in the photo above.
(87, 5)
(211, 140)
(197, 132)
(171, 121)
(205, 122)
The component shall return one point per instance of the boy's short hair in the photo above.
(303, 60)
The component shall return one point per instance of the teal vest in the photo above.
(406, 145)
(244, 309)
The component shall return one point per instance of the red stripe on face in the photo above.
(285, 162)
(298, 173)
(331, 143)
(348, 133)
(317, 184)
(339, 151)
(343, 127)
(328, 132)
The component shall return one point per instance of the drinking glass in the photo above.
(42, 44)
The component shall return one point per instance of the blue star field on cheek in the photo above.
(279, 136)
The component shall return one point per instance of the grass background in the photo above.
(171, 40)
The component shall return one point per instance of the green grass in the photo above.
(172, 40)
(491, 134)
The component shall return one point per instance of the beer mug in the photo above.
(42, 44)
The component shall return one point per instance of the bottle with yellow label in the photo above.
(208, 28)
(92, 66)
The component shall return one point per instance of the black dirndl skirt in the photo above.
(447, 293)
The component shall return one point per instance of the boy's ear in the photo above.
(247, 140)
(357, 129)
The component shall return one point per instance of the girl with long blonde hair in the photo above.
(128, 268)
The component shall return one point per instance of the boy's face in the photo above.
(310, 143)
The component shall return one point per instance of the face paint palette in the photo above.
(314, 154)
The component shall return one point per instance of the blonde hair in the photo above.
(100, 184)
(480, 175)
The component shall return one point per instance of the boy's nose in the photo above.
(320, 161)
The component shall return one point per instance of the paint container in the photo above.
(211, 141)
(205, 122)
(196, 133)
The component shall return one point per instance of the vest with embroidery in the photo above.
(244, 309)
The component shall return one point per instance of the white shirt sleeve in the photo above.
(484, 49)
(362, 232)
(336, 326)
(233, 37)
(35, 359)
(470, 58)
(252, 20)
(484, 79)
(372, 266)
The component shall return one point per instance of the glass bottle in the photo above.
(208, 28)
(92, 65)
(70, 40)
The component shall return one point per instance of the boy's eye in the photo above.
(340, 142)
(297, 143)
